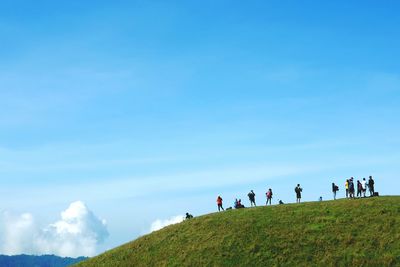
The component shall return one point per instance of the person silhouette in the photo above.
(298, 191)
(219, 203)
(252, 198)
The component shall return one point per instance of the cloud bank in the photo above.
(159, 224)
(77, 233)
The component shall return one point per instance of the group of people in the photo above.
(252, 198)
(361, 188)
(349, 186)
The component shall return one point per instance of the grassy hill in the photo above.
(362, 232)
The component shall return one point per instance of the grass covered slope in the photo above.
(362, 232)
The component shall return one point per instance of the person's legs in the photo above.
(334, 195)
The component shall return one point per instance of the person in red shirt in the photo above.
(269, 196)
(219, 203)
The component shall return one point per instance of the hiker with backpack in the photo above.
(269, 196)
(252, 198)
(298, 191)
(188, 216)
(335, 188)
(371, 184)
(219, 203)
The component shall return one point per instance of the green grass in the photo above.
(362, 232)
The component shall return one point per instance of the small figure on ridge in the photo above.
(252, 198)
(298, 191)
(219, 203)
(335, 188)
(269, 196)
(371, 184)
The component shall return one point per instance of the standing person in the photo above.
(252, 198)
(351, 187)
(219, 203)
(269, 196)
(359, 188)
(346, 185)
(364, 186)
(335, 188)
(371, 184)
(298, 191)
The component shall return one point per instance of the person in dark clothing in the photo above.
(298, 191)
(252, 198)
(281, 202)
(359, 188)
(335, 188)
(371, 186)
(188, 216)
(351, 187)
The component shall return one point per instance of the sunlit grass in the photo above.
(362, 232)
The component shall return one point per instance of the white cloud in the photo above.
(77, 233)
(17, 233)
(159, 224)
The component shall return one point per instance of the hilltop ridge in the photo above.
(359, 232)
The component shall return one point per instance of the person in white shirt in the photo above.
(364, 186)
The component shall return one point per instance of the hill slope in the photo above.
(334, 233)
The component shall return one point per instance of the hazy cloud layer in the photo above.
(77, 233)
(159, 224)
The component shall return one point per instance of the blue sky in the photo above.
(144, 110)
